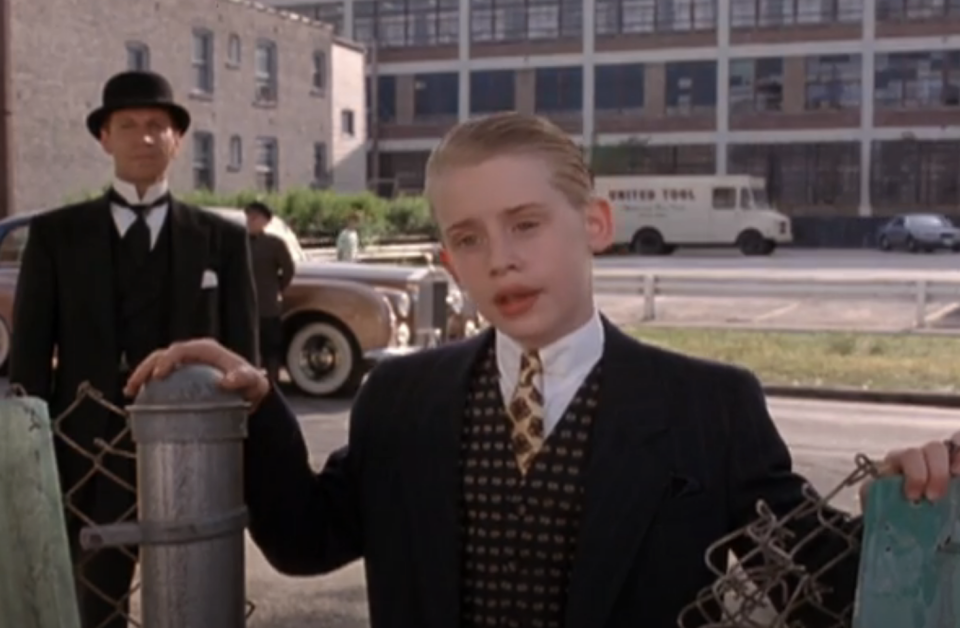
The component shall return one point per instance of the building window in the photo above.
(321, 173)
(234, 50)
(267, 164)
(912, 174)
(909, 10)
(803, 175)
(492, 91)
(628, 17)
(236, 153)
(203, 161)
(918, 80)
(747, 14)
(386, 109)
(833, 82)
(266, 72)
(436, 97)
(619, 87)
(558, 90)
(329, 12)
(756, 85)
(319, 71)
(691, 87)
(525, 20)
(407, 23)
(347, 123)
(138, 56)
(203, 61)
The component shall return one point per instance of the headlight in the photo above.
(455, 300)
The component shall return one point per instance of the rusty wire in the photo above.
(119, 446)
(769, 570)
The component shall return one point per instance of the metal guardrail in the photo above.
(650, 285)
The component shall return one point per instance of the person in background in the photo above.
(102, 284)
(273, 270)
(348, 242)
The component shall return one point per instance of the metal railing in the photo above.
(739, 284)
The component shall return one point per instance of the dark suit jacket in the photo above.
(65, 302)
(682, 450)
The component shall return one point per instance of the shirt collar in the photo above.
(582, 346)
(129, 191)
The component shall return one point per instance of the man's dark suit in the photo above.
(682, 450)
(67, 306)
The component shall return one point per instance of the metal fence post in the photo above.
(649, 297)
(920, 319)
(189, 436)
(431, 315)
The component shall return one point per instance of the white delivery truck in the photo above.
(653, 215)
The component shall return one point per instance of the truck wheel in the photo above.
(648, 242)
(751, 243)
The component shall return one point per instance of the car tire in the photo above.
(752, 243)
(884, 244)
(323, 359)
(648, 242)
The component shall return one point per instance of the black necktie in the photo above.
(136, 241)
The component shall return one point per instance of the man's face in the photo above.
(519, 247)
(256, 222)
(142, 143)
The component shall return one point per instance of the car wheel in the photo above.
(751, 243)
(884, 243)
(323, 360)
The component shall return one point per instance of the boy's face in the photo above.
(518, 246)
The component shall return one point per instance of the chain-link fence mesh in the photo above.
(769, 585)
(98, 480)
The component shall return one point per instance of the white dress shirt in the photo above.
(566, 364)
(124, 217)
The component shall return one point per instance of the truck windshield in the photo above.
(760, 200)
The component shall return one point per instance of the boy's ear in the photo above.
(599, 221)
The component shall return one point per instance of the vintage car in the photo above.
(338, 318)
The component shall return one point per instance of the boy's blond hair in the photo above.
(472, 142)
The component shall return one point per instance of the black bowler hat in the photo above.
(135, 90)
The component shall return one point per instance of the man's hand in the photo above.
(238, 374)
(926, 470)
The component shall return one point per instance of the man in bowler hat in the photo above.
(104, 283)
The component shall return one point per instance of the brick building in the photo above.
(277, 100)
(847, 107)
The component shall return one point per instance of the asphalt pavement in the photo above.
(824, 437)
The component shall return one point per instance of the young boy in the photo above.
(348, 241)
(551, 472)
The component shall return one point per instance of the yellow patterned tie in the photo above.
(526, 411)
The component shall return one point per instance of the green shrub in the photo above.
(321, 214)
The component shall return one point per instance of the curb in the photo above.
(854, 395)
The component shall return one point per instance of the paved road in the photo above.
(824, 437)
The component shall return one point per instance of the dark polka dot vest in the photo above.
(519, 533)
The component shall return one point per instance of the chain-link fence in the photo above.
(153, 504)
(769, 584)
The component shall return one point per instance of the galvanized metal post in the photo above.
(189, 436)
(6, 111)
(432, 310)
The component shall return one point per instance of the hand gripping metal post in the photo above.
(189, 436)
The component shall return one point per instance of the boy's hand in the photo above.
(926, 470)
(238, 374)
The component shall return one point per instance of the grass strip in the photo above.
(846, 360)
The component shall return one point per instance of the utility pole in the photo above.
(6, 77)
(374, 100)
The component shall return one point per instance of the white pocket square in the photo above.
(209, 280)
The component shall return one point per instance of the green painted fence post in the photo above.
(36, 578)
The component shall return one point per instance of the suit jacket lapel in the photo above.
(189, 248)
(432, 486)
(626, 478)
(95, 251)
